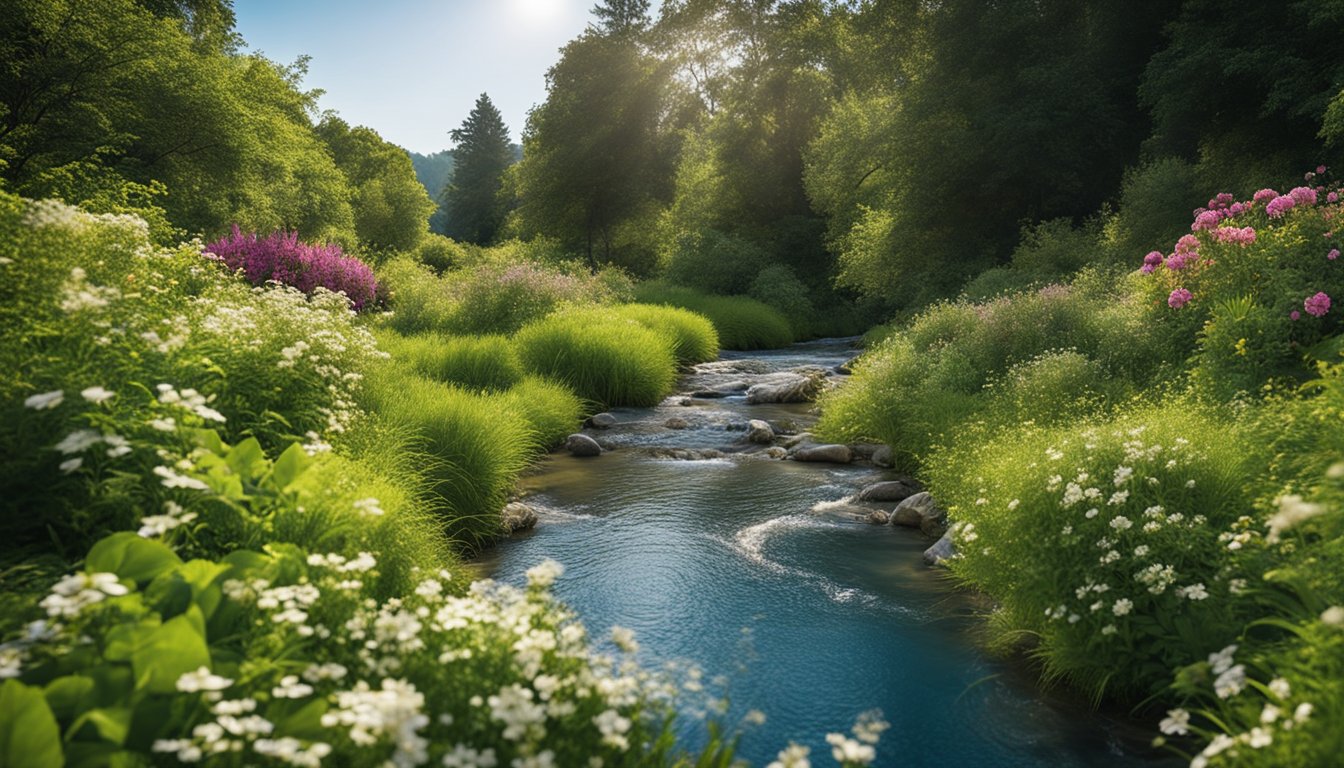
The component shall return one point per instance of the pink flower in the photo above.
(1303, 195)
(1294, 315)
(1188, 244)
(1237, 209)
(1333, 254)
(1320, 169)
(1178, 261)
(1238, 236)
(1206, 220)
(1264, 194)
(1333, 197)
(1179, 297)
(1279, 206)
(1151, 262)
(1317, 305)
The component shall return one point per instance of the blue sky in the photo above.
(412, 69)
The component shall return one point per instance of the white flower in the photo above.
(1280, 688)
(1121, 523)
(792, 756)
(463, 756)
(1122, 475)
(1222, 660)
(1176, 723)
(613, 727)
(1193, 592)
(1011, 506)
(1303, 712)
(45, 401)
(97, 395)
(846, 750)
(78, 441)
(164, 425)
(544, 574)
(1118, 498)
(1230, 682)
(202, 680)
(70, 465)
(624, 639)
(1269, 714)
(291, 688)
(870, 726)
(368, 507)
(172, 479)
(1259, 737)
(1091, 513)
(1122, 607)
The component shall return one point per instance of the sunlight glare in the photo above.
(536, 12)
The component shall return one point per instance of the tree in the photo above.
(391, 207)
(471, 200)
(624, 19)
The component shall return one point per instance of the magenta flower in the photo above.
(1333, 254)
(282, 258)
(1151, 262)
(1264, 195)
(1303, 195)
(1333, 197)
(1320, 169)
(1235, 235)
(1279, 206)
(1188, 244)
(1317, 305)
(1294, 315)
(1206, 220)
(1237, 209)
(1178, 298)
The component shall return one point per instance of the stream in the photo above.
(789, 603)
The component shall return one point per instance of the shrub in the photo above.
(1106, 542)
(1055, 249)
(419, 300)
(996, 282)
(712, 262)
(777, 286)
(741, 322)
(1154, 199)
(282, 258)
(473, 362)
(501, 297)
(604, 358)
(1054, 386)
(440, 253)
(475, 451)
(693, 337)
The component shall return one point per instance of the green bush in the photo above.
(1052, 387)
(712, 262)
(440, 253)
(996, 282)
(741, 322)
(1105, 542)
(604, 358)
(777, 286)
(419, 300)
(1155, 201)
(693, 337)
(475, 451)
(473, 362)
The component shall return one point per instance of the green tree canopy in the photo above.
(391, 207)
(474, 210)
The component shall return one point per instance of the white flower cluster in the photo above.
(79, 295)
(190, 400)
(71, 595)
(392, 711)
(154, 526)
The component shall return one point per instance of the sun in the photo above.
(536, 11)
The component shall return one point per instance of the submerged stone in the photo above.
(760, 432)
(518, 516)
(602, 420)
(582, 446)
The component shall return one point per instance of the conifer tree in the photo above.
(471, 199)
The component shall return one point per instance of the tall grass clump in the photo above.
(605, 359)
(1104, 543)
(473, 362)
(503, 296)
(419, 301)
(474, 449)
(283, 258)
(552, 410)
(694, 339)
(742, 323)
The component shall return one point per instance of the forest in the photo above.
(270, 381)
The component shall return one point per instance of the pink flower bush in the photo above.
(1317, 305)
(1333, 254)
(281, 257)
(1303, 195)
(1279, 206)
(1206, 220)
(1180, 296)
(1151, 262)
(1235, 235)
(1264, 195)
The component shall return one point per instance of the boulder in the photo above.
(891, 490)
(787, 388)
(582, 446)
(760, 432)
(915, 510)
(708, 394)
(845, 368)
(798, 439)
(882, 457)
(878, 517)
(602, 420)
(518, 516)
(676, 422)
(863, 451)
(833, 454)
(775, 452)
(941, 551)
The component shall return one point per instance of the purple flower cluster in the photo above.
(282, 257)
(1235, 235)
(1317, 305)
(1178, 298)
(1280, 205)
(1151, 262)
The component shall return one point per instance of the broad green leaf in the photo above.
(29, 736)
(208, 439)
(169, 594)
(290, 466)
(69, 695)
(131, 557)
(247, 458)
(123, 640)
(306, 723)
(170, 651)
(111, 724)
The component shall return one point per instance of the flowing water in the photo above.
(748, 567)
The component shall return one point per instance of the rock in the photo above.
(863, 451)
(708, 394)
(834, 454)
(878, 517)
(891, 490)
(882, 457)
(933, 527)
(798, 439)
(684, 454)
(775, 452)
(676, 422)
(845, 368)
(760, 432)
(685, 402)
(582, 446)
(787, 388)
(729, 367)
(941, 551)
(602, 421)
(518, 516)
(913, 511)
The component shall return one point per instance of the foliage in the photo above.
(693, 337)
(552, 410)
(1105, 541)
(472, 362)
(503, 296)
(471, 199)
(741, 322)
(605, 358)
(280, 257)
(391, 208)
(711, 262)
(440, 253)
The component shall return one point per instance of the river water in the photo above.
(792, 606)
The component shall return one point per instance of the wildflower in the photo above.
(291, 688)
(1222, 660)
(1109, 629)
(1193, 592)
(1269, 714)
(163, 425)
(1303, 195)
(1333, 254)
(1118, 498)
(1264, 195)
(1280, 206)
(369, 507)
(1294, 315)
(45, 400)
(613, 727)
(624, 639)
(1151, 262)
(152, 526)
(1280, 688)
(870, 726)
(1178, 298)
(846, 750)
(1292, 511)
(1230, 682)
(70, 465)
(1235, 235)
(1303, 712)
(172, 479)
(1176, 723)
(1317, 305)
(202, 680)
(1122, 607)
(1333, 616)
(1121, 523)
(78, 441)
(1206, 220)
(792, 756)
(463, 756)
(544, 574)
(1122, 475)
